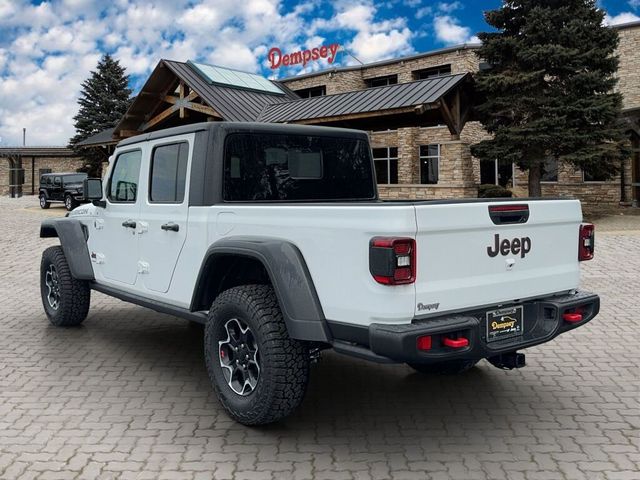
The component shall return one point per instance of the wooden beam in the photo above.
(160, 117)
(181, 95)
(456, 111)
(449, 119)
(197, 107)
(171, 99)
(353, 116)
(425, 107)
(128, 133)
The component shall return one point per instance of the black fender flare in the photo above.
(289, 276)
(74, 244)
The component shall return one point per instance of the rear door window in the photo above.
(168, 173)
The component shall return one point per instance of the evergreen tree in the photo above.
(104, 99)
(549, 92)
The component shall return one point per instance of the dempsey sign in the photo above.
(277, 59)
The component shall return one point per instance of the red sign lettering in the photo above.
(277, 59)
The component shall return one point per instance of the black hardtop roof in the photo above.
(62, 174)
(234, 127)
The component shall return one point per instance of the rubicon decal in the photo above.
(505, 247)
(278, 59)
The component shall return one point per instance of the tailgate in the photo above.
(459, 265)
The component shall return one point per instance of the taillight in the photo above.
(586, 242)
(392, 260)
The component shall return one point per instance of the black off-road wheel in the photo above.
(70, 203)
(451, 367)
(65, 299)
(43, 201)
(258, 372)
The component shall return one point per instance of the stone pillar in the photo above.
(408, 168)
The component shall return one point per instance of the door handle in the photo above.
(129, 224)
(174, 227)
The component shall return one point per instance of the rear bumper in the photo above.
(542, 321)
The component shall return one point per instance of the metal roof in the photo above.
(105, 137)
(234, 104)
(377, 99)
(622, 26)
(37, 151)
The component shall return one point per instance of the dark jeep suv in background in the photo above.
(61, 187)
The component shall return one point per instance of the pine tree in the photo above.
(104, 99)
(549, 91)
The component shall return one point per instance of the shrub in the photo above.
(493, 191)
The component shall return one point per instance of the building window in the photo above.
(494, 172)
(318, 91)
(382, 81)
(550, 170)
(429, 163)
(386, 162)
(594, 174)
(432, 72)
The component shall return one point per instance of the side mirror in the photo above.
(92, 190)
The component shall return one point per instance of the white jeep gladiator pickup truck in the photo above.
(273, 236)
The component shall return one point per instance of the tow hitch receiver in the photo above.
(508, 361)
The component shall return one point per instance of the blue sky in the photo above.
(47, 48)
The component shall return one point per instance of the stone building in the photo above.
(418, 110)
(34, 161)
(408, 153)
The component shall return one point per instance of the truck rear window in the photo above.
(277, 167)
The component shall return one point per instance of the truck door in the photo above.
(164, 211)
(114, 241)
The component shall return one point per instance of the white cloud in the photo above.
(47, 50)
(369, 46)
(621, 18)
(423, 12)
(449, 31)
(374, 39)
(634, 3)
(448, 7)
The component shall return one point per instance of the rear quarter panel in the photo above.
(334, 241)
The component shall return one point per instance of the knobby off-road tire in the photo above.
(42, 198)
(451, 367)
(66, 300)
(278, 379)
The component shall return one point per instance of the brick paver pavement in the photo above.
(126, 395)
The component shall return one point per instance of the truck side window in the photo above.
(168, 173)
(123, 185)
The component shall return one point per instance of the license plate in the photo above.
(504, 323)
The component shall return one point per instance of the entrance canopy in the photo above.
(421, 103)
